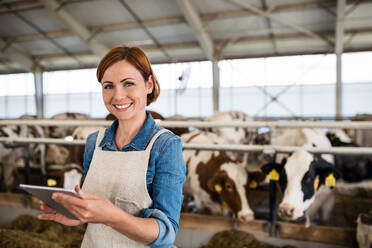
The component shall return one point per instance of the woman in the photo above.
(130, 198)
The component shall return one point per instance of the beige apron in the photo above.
(121, 178)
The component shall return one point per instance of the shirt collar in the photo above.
(139, 142)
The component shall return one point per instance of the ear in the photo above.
(215, 182)
(266, 168)
(254, 178)
(326, 171)
(149, 85)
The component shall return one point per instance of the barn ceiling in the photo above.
(73, 34)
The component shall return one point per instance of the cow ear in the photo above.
(215, 182)
(266, 168)
(254, 178)
(326, 171)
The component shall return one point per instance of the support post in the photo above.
(339, 48)
(216, 85)
(39, 93)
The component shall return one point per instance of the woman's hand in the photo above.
(56, 216)
(87, 207)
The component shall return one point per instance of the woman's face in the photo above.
(125, 91)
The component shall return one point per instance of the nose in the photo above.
(286, 211)
(246, 217)
(119, 93)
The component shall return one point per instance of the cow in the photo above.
(11, 155)
(214, 179)
(363, 137)
(304, 178)
(239, 135)
(64, 131)
(364, 230)
(353, 168)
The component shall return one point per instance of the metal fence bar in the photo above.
(200, 124)
(221, 147)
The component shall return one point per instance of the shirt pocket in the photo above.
(128, 206)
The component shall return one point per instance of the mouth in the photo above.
(122, 107)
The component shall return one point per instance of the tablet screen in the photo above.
(45, 194)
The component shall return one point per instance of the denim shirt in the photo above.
(165, 175)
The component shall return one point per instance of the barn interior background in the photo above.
(269, 59)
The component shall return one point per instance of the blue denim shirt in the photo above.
(165, 176)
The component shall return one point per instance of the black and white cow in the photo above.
(353, 168)
(303, 177)
(214, 179)
(239, 135)
(10, 156)
(364, 230)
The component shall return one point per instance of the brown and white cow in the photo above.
(64, 131)
(302, 175)
(214, 179)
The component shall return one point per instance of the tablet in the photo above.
(45, 194)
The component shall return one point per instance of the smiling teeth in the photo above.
(122, 106)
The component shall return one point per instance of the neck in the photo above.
(128, 129)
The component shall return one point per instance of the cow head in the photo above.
(228, 187)
(300, 177)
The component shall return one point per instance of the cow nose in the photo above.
(246, 217)
(286, 211)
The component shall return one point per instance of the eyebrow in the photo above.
(123, 80)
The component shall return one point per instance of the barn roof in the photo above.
(73, 34)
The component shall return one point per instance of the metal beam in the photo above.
(147, 31)
(17, 56)
(171, 20)
(96, 46)
(216, 86)
(258, 11)
(39, 94)
(269, 26)
(339, 47)
(195, 23)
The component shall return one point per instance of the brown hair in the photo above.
(136, 57)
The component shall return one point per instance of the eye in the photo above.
(107, 86)
(128, 84)
(229, 187)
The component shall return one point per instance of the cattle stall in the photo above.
(265, 229)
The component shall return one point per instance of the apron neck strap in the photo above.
(153, 139)
(101, 133)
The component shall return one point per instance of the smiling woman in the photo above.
(134, 170)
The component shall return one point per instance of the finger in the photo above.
(45, 208)
(80, 193)
(65, 199)
(47, 217)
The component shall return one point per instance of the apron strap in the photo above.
(153, 139)
(101, 133)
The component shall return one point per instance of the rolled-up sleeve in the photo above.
(166, 193)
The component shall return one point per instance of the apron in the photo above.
(121, 178)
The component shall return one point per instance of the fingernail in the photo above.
(54, 196)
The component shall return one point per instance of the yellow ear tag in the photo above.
(274, 175)
(218, 188)
(226, 206)
(51, 182)
(253, 184)
(330, 180)
(316, 184)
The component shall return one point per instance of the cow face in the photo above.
(300, 177)
(229, 189)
